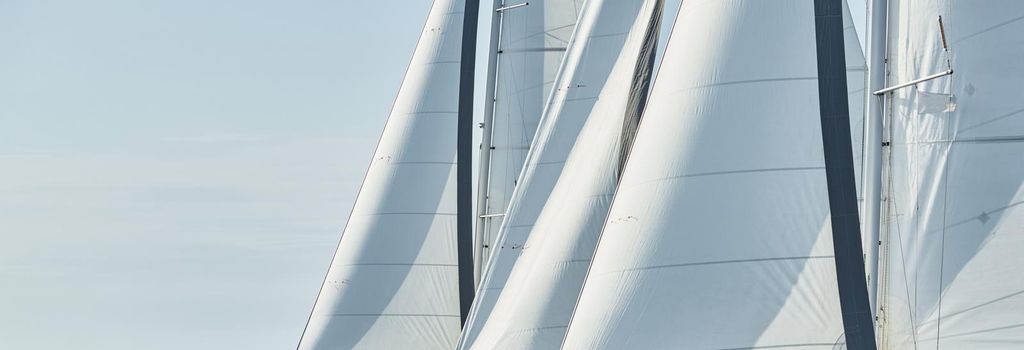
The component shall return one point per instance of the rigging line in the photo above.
(520, 100)
(915, 162)
(547, 32)
(891, 205)
(513, 96)
(987, 303)
(945, 210)
(541, 85)
(993, 120)
(973, 218)
(987, 330)
(891, 199)
(986, 30)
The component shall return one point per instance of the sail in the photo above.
(953, 224)
(393, 283)
(533, 309)
(599, 37)
(719, 234)
(856, 68)
(533, 38)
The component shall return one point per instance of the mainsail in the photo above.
(953, 223)
(531, 38)
(719, 235)
(595, 46)
(393, 283)
(533, 309)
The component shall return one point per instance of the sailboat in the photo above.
(765, 188)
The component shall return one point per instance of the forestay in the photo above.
(533, 309)
(393, 283)
(533, 38)
(719, 234)
(953, 225)
(592, 52)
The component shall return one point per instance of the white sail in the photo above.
(599, 37)
(533, 38)
(393, 283)
(953, 226)
(533, 310)
(719, 234)
(856, 67)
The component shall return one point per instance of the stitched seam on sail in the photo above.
(723, 262)
(730, 172)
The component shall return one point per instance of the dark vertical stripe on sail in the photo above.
(640, 87)
(842, 192)
(464, 169)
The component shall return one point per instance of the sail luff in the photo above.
(393, 282)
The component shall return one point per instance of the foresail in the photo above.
(393, 283)
(856, 67)
(533, 309)
(719, 234)
(586, 66)
(953, 224)
(533, 39)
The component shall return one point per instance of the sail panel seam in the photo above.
(752, 81)
(732, 172)
(723, 262)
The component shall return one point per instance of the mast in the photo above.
(483, 176)
(839, 172)
(464, 168)
(873, 119)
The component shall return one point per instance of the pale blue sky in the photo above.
(174, 174)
